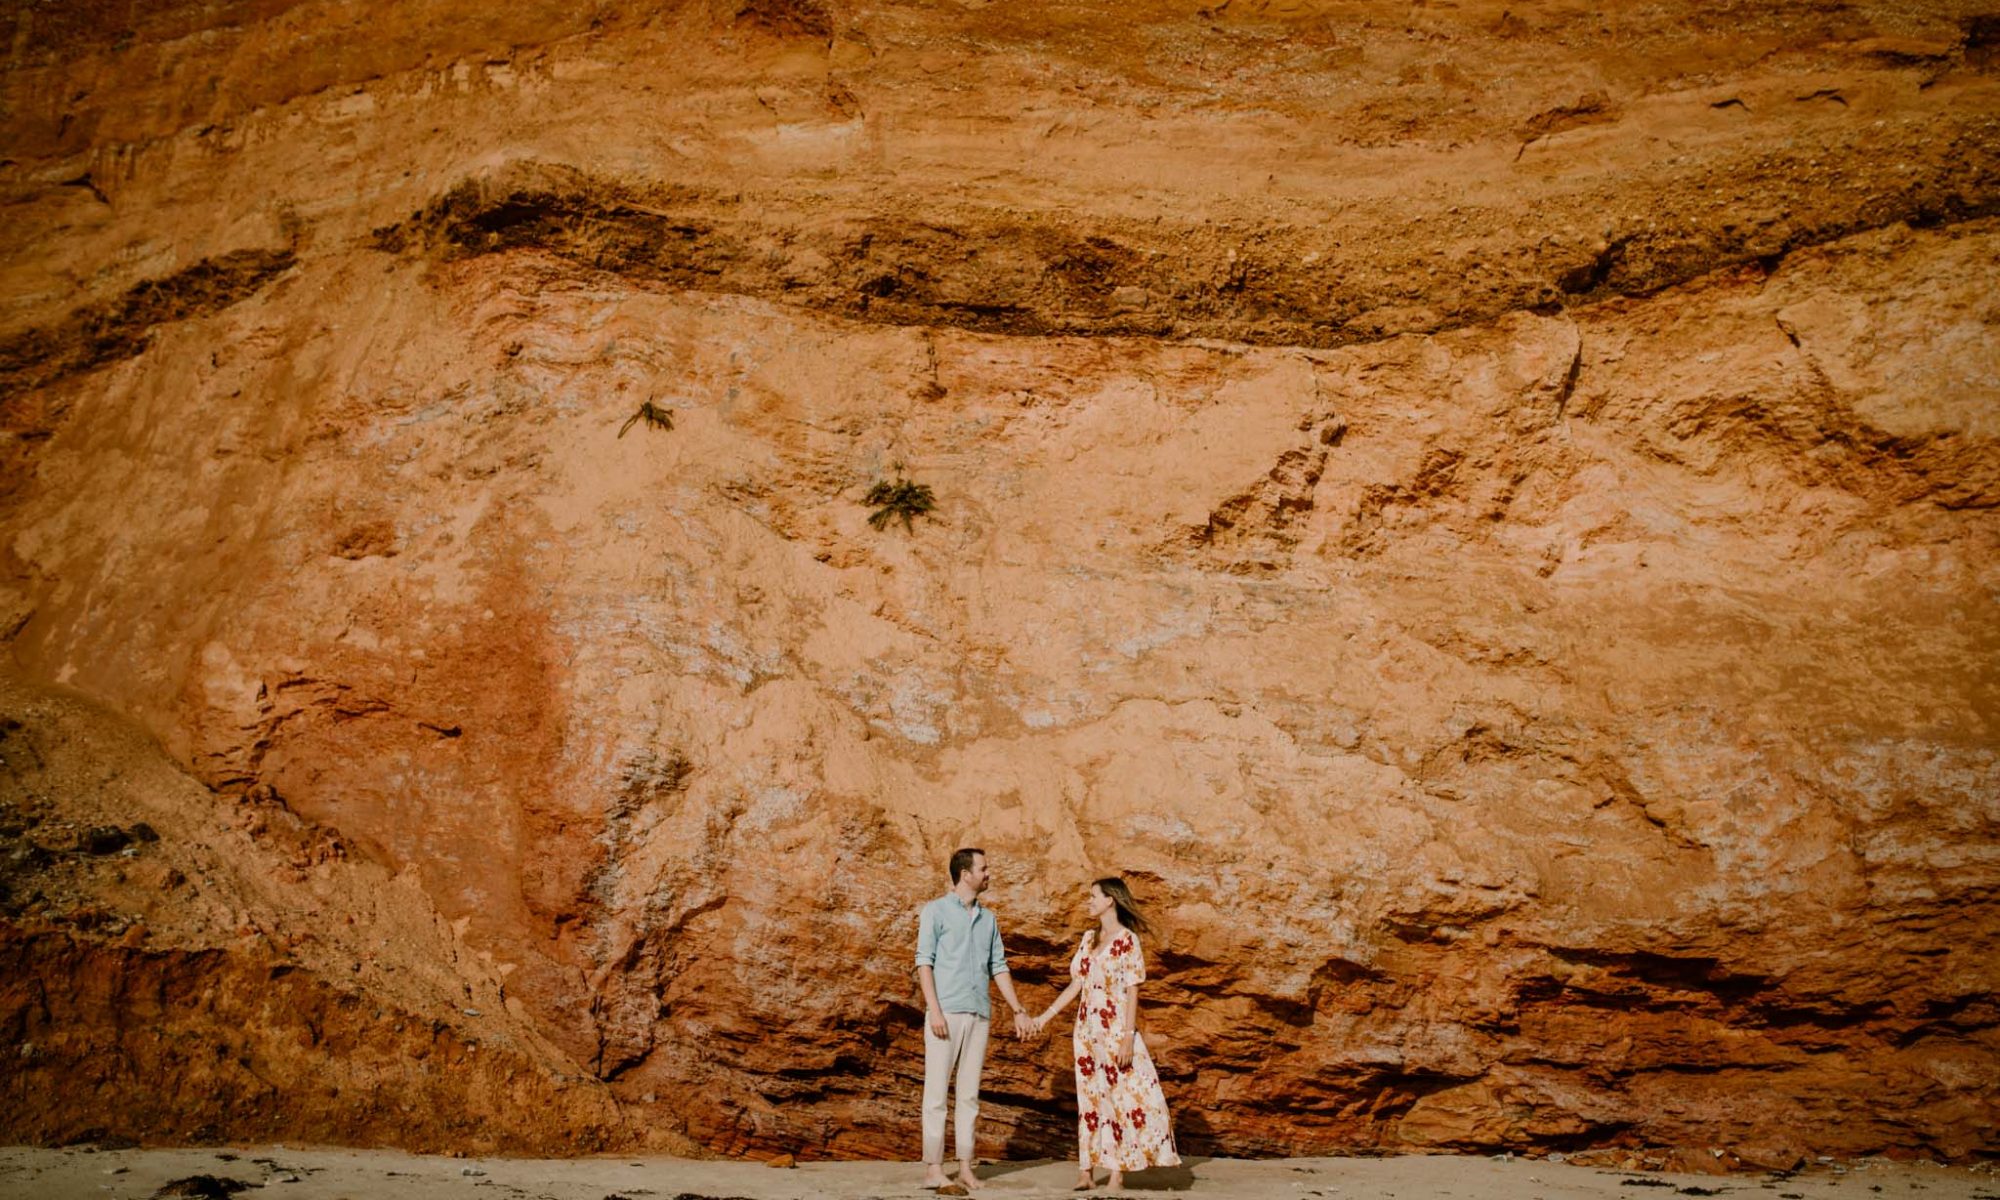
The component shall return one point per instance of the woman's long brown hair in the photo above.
(1128, 909)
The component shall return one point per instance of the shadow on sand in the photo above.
(1031, 1141)
(1153, 1179)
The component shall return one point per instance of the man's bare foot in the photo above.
(934, 1176)
(966, 1179)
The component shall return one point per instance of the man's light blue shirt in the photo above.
(960, 943)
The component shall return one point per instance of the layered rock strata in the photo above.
(1485, 518)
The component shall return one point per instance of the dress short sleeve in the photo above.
(1125, 962)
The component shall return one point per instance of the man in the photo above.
(958, 952)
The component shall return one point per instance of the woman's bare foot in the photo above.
(1084, 1182)
(1117, 1180)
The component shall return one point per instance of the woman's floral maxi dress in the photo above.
(1121, 1114)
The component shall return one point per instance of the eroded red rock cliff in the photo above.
(1485, 515)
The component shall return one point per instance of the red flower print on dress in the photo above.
(1109, 1095)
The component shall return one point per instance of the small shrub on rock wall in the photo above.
(652, 414)
(898, 499)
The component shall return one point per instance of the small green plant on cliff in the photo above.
(898, 499)
(652, 414)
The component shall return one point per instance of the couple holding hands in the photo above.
(1122, 1120)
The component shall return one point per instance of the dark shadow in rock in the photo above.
(1194, 1137)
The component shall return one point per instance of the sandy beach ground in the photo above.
(297, 1174)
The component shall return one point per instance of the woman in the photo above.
(1121, 1114)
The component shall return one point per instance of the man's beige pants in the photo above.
(963, 1055)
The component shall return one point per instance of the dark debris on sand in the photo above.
(203, 1187)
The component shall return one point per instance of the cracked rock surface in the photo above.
(1485, 517)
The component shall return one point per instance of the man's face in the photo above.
(976, 874)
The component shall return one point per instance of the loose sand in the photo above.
(366, 1174)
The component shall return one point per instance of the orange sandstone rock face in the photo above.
(1486, 519)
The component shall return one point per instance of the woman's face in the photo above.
(1095, 901)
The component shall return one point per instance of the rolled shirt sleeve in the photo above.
(926, 939)
(996, 956)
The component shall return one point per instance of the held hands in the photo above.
(1027, 1028)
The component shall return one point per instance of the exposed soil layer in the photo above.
(107, 333)
(1004, 272)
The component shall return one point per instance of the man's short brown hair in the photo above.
(961, 862)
